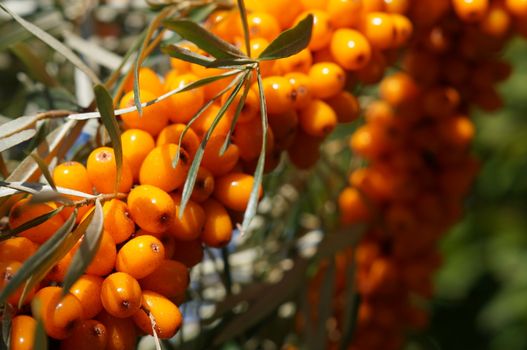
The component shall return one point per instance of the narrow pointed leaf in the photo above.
(16, 139)
(34, 65)
(16, 125)
(40, 337)
(245, 26)
(88, 248)
(230, 63)
(187, 55)
(37, 260)
(44, 169)
(7, 316)
(31, 223)
(290, 41)
(105, 106)
(9, 188)
(54, 44)
(204, 39)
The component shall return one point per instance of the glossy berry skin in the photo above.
(121, 332)
(190, 225)
(170, 279)
(148, 80)
(471, 10)
(350, 48)
(299, 62)
(317, 119)
(344, 13)
(117, 221)
(378, 28)
(234, 190)
(24, 211)
(136, 145)
(103, 261)
(204, 185)
(154, 117)
(345, 105)
(60, 315)
(261, 25)
(219, 164)
(22, 335)
(157, 169)
(17, 249)
(217, 231)
(184, 105)
(166, 314)
(72, 175)
(8, 270)
(140, 256)
(302, 84)
(121, 295)
(279, 94)
(88, 335)
(322, 29)
(352, 207)
(248, 137)
(151, 208)
(327, 79)
(102, 171)
(172, 134)
(88, 290)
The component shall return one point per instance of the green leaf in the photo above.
(186, 55)
(16, 139)
(201, 13)
(290, 41)
(16, 125)
(53, 43)
(31, 223)
(38, 260)
(252, 205)
(44, 169)
(105, 106)
(7, 316)
(204, 39)
(88, 248)
(137, 65)
(40, 337)
(231, 63)
(50, 196)
(9, 188)
(35, 66)
(245, 26)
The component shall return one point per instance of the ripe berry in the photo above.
(121, 295)
(350, 49)
(136, 145)
(102, 171)
(88, 290)
(317, 119)
(87, 335)
(327, 79)
(217, 231)
(172, 133)
(190, 225)
(166, 315)
(184, 105)
(234, 190)
(151, 208)
(157, 169)
(17, 249)
(22, 335)
(154, 117)
(117, 221)
(140, 256)
(170, 279)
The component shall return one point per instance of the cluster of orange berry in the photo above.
(416, 140)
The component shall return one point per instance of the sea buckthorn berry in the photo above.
(22, 335)
(279, 94)
(72, 175)
(219, 164)
(322, 29)
(284, 128)
(398, 89)
(121, 332)
(350, 49)
(136, 145)
(396, 6)
(374, 70)
(58, 272)
(17, 249)
(88, 290)
(204, 185)
(190, 225)
(121, 294)
(154, 117)
(8, 269)
(344, 13)
(302, 84)
(304, 150)
(258, 45)
(157, 169)
(497, 21)
(283, 10)
(59, 314)
(299, 62)
(140, 256)
(117, 221)
(318, 118)
(24, 211)
(189, 253)
(517, 8)
(345, 105)
(170, 279)
(379, 29)
(102, 171)
(403, 29)
(205, 121)
(327, 79)
(458, 131)
(250, 109)
(313, 4)
(179, 66)
(234, 190)
(172, 133)
(184, 105)
(103, 261)
(352, 207)
(248, 138)
(224, 23)
(166, 315)
(148, 80)
(372, 6)
(213, 88)
(87, 335)
(151, 208)
(217, 231)
(471, 10)
(261, 25)
(438, 40)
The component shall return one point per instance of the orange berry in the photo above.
(344, 13)
(379, 29)
(60, 315)
(189, 227)
(104, 259)
(458, 131)
(302, 85)
(204, 185)
(72, 175)
(121, 295)
(248, 137)
(396, 6)
(151, 208)
(170, 279)
(121, 332)
(217, 231)
(352, 206)
(190, 253)
(166, 315)
(261, 25)
(313, 4)
(327, 79)
(374, 70)
(346, 106)
(205, 121)
(17, 249)
(58, 272)
(350, 49)
(284, 127)
(136, 145)
(322, 29)
(318, 118)
(102, 171)
(224, 23)
(140, 256)
(299, 62)
(216, 164)
(398, 89)
(8, 269)
(234, 190)
(157, 169)
(283, 10)
(250, 109)
(471, 10)
(87, 335)
(497, 21)
(304, 150)
(213, 88)
(117, 221)
(517, 8)
(88, 290)
(148, 80)
(184, 105)
(403, 29)
(22, 335)
(24, 211)
(172, 133)
(279, 94)
(154, 117)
